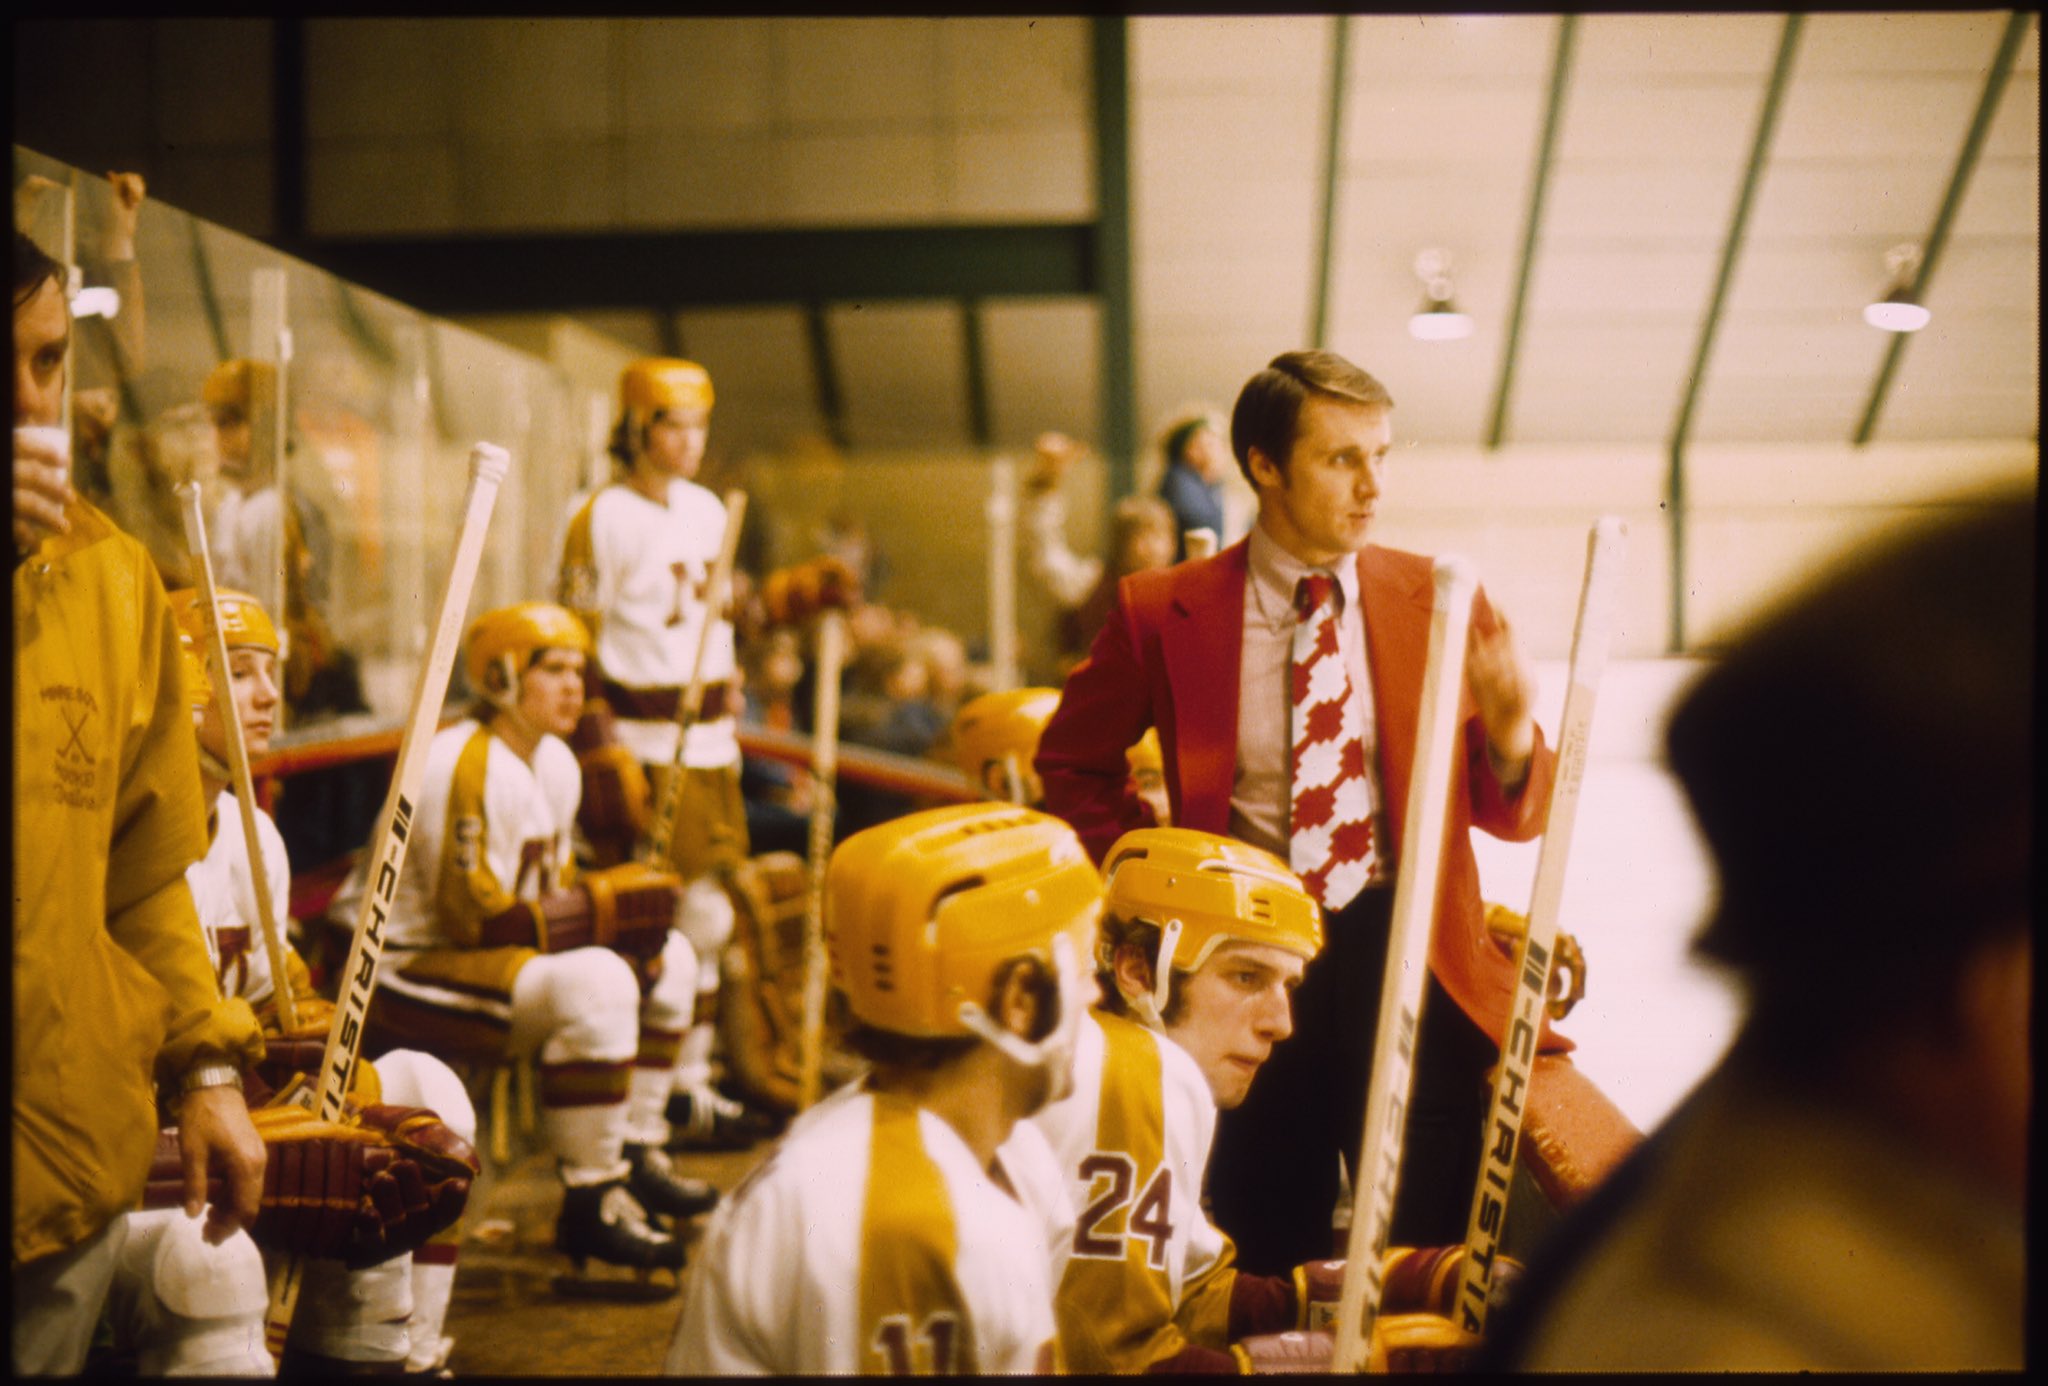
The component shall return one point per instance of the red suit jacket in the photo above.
(1168, 657)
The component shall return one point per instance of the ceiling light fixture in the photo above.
(1899, 310)
(1438, 319)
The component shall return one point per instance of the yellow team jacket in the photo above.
(112, 986)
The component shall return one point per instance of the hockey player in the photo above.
(636, 563)
(1203, 940)
(884, 1234)
(995, 736)
(495, 950)
(190, 1307)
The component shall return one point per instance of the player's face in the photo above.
(551, 691)
(1321, 510)
(231, 438)
(675, 441)
(1234, 1010)
(42, 334)
(252, 675)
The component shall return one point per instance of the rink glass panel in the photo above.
(382, 404)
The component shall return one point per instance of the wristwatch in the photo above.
(210, 1075)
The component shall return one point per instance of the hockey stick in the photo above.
(1534, 955)
(661, 837)
(1001, 512)
(825, 771)
(1200, 541)
(238, 754)
(1393, 1054)
(487, 467)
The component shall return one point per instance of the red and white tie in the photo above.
(1330, 830)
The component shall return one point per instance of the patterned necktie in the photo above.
(1330, 829)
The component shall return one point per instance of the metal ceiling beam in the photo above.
(1333, 137)
(825, 373)
(975, 372)
(1546, 152)
(571, 272)
(1731, 248)
(1944, 220)
(1110, 240)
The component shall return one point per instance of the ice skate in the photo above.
(604, 1222)
(660, 1189)
(705, 1119)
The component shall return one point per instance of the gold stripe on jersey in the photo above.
(911, 1308)
(1115, 1302)
(468, 891)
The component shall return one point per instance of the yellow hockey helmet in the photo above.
(192, 670)
(1144, 754)
(1004, 726)
(243, 620)
(922, 911)
(664, 382)
(236, 382)
(521, 630)
(1201, 889)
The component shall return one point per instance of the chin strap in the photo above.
(1150, 1007)
(1057, 1041)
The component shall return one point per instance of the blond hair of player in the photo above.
(885, 1233)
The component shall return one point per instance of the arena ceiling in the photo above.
(1663, 228)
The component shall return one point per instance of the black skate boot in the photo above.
(604, 1222)
(705, 1119)
(660, 1189)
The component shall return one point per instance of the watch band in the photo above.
(211, 1075)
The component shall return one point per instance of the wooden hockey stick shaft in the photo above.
(825, 771)
(358, 979)
(238, 754)
(690, 708)
(1535, 954)
(1376, 1179)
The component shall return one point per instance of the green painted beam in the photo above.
(1333, 138)
(574, 272)
(1546, 154)
(1111, 244)
(1731, 249)
(1944, 220)
(975, 372)
(825, 373)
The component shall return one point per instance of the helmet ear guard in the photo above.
(924, 912)
(1202, 890)
(1042, 1052)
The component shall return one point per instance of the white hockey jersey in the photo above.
(644, 571)
(870, 1241)
(224, 890)
(1147, 1272)
(489, 829)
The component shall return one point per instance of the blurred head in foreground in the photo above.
(1861, 765)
